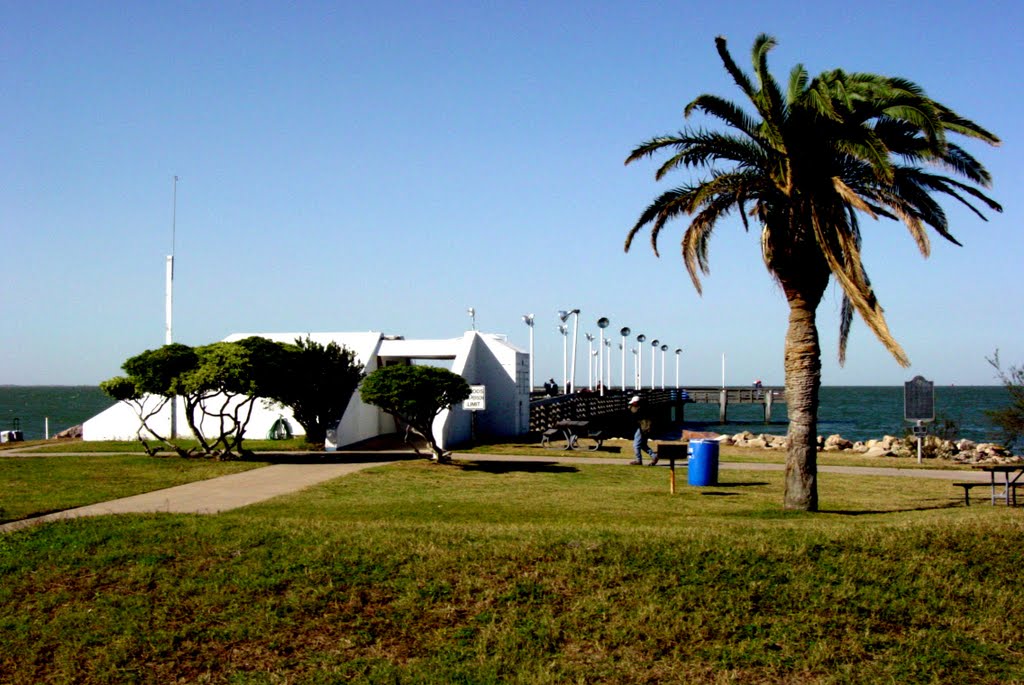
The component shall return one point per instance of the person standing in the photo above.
(643, 431)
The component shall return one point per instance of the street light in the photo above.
(590, 362)
(602, 324)
(564, 316)
(640, 362)
(528, 320)
(636, 370)
(679, 351)
(654, 360)
(663, 349)
(565, 354)
(624, 331)
(607, 363)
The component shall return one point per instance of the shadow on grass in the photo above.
(499, 467)
(339, 457)
(900, 510)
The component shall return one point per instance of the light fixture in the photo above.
(654, 359)
(528, 320)
(624, 331)
(602, 324)
(640, 361)
(563, 315)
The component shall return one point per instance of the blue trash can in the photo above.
(703, 466)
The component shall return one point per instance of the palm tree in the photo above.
(813, 161)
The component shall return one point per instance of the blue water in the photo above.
(856, 413)
(864, 412)
(65, 405)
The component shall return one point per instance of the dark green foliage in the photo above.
(1009, 419)
(223, 387)
(415, 395)
(317, 384)
(218, 383)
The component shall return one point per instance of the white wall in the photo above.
(483, 359)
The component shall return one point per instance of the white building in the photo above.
(482, 359)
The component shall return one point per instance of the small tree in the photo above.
(152, 382)
(415, 395)
(1009, 419)
(224, 385)
(317, 383)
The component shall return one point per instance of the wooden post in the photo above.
(723, 400)
(768, 406)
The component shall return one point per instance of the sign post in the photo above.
(919, 407)
(477, 401)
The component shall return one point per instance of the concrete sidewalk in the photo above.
(216, 494)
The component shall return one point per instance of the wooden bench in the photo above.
(1012, 493)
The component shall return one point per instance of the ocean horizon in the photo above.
(857, 412)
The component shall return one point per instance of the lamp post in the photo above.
(602, 324)
(654, 359)
(624, 331)
(565, 354)
(607, 363)
(679, 351)
(636, 370)
(590, 357)
(663, 350)
(564, 316)
(640, 361)
(528, 320)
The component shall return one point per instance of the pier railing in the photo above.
(548, 411)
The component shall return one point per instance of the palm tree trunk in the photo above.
(803, 380)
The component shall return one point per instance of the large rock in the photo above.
(70, 433)
(837, 442)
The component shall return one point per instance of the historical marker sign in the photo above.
(477, 400)
(919, 400)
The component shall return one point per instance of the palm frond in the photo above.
(730, 66)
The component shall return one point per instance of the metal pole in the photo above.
(169, 304)
(565, 356)
(575, 344)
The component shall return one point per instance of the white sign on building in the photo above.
(477, 400)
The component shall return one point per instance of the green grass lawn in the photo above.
(32, 486)
(489, 572)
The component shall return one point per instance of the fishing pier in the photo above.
(548, 411)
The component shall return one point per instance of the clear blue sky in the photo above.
(383, 166)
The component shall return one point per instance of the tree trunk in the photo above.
(803, 380)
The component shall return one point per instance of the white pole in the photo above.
(662, 369)
(600, 359)
(169, 304)
(723, 369)
(622, 346)
(590, 361)
(532, 386)
(640, 366)
(46, 428)
(565, 356)
(575, 344)
(654, 360)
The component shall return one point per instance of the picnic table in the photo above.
(1009, 482)
(572, 432)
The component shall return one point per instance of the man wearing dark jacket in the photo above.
(643, 430)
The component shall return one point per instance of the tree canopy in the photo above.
(318, 384)
(811, 161)
(415, 395)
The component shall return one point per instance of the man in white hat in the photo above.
(643, 429)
